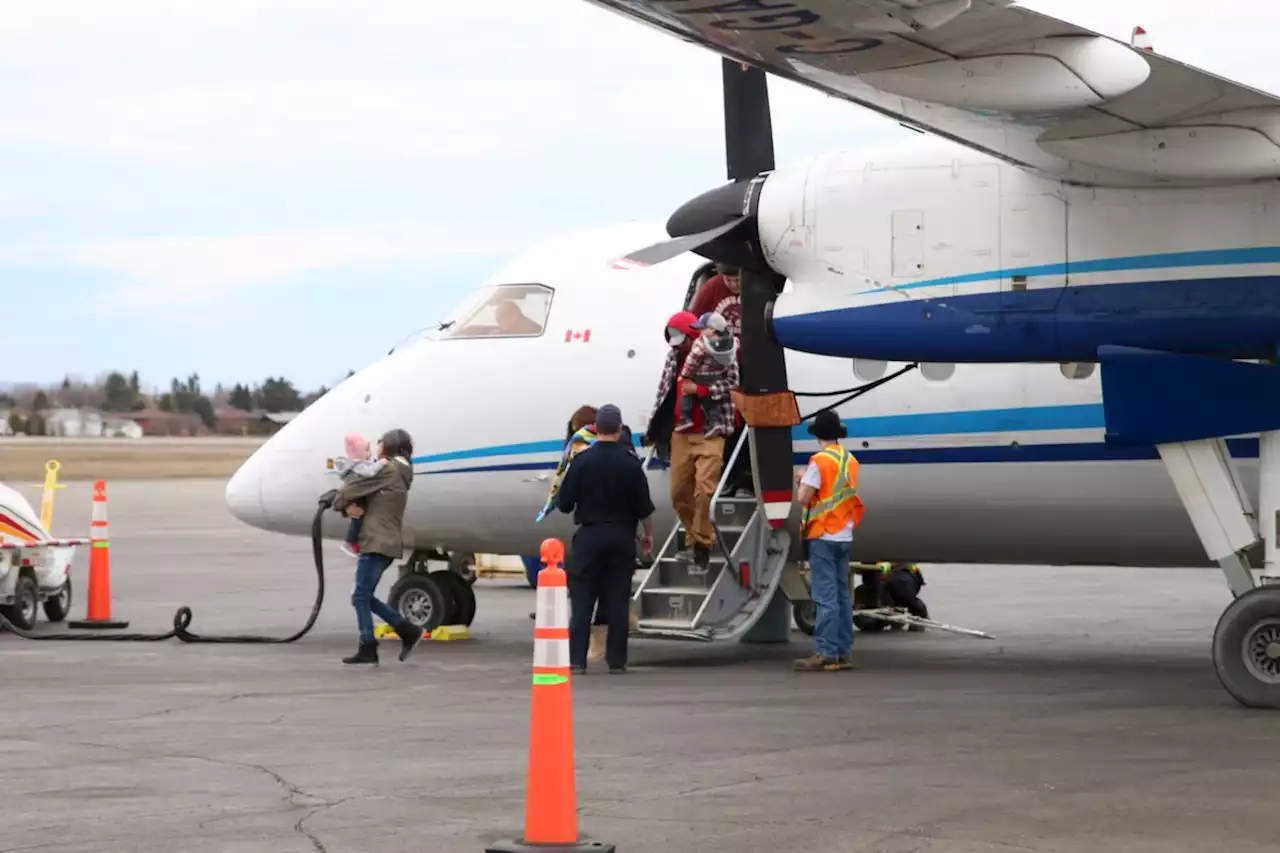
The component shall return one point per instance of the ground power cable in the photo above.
(182, 618)
(853, 393)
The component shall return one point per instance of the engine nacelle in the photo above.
(963, 259)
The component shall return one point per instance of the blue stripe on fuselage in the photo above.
(1243, 448)
(1028, 418)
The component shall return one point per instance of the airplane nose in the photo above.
(244, 493)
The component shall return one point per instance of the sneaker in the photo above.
(351, 550)
(367, 653)
(618, 670)
(578, 669)
(409, 637)
(844, 662)
(684, 556)
(816, 663)
(702, 556)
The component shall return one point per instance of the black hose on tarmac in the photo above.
(182, 618)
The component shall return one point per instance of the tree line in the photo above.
(122, 394)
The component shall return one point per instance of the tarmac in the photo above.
(1092, 722)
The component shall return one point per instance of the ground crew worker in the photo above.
(829, 494)
(902, 583)
(607, 492)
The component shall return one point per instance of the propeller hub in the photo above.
(734, 202)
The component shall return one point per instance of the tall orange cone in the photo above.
(551, 807)
(99, 607)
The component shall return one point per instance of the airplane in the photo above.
(1081, 260)
(1125, 216)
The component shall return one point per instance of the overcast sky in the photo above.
(254, 187)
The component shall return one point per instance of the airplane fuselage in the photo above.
(1000, 463)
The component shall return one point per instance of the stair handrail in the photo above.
(715, 501)
(728, 469)
(658, 553)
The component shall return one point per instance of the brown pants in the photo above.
(696, 464)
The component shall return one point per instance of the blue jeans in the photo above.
(829, 579)
(369, 569)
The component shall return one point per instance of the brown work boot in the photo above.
(595, 650)
(816, 663)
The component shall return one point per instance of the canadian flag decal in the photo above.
(583, 336)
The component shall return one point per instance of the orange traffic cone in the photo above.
(551, 808)
(99, 608)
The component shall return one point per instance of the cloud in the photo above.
(185, 152)
(193, 269)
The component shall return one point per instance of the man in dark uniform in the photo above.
(606, 490)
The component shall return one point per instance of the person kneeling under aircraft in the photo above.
(901, 583)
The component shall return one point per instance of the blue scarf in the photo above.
(579, 441)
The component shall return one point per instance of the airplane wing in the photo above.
(1018, 85)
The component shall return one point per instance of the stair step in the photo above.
(672, 602)
(716, 556)
(665, 624)
(701, 592)
(676, 573)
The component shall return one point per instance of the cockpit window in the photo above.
(503, 311)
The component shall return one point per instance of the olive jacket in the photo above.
(385, 495)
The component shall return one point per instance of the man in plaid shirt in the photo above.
(698, 435)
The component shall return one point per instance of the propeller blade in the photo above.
(748, 129)
(668, 249)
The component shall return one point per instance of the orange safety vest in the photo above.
(837, 502)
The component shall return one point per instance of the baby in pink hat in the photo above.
(357, 464)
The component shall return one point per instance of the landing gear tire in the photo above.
(462, 598)
(1246, 648)
(865, 597)
(26, 604)
(464, 566)
(418, 598)
(58, 607)
(806, 615)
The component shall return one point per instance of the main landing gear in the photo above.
(1178, 403)
(430, 594)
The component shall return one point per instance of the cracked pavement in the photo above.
(1093, 721)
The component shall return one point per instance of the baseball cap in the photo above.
(608, 419)
(683, 321)
(710, 320)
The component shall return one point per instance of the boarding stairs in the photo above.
(681, 600)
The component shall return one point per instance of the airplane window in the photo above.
(1077, 369)
(869, 370)
(935, 372)
(503, 311)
